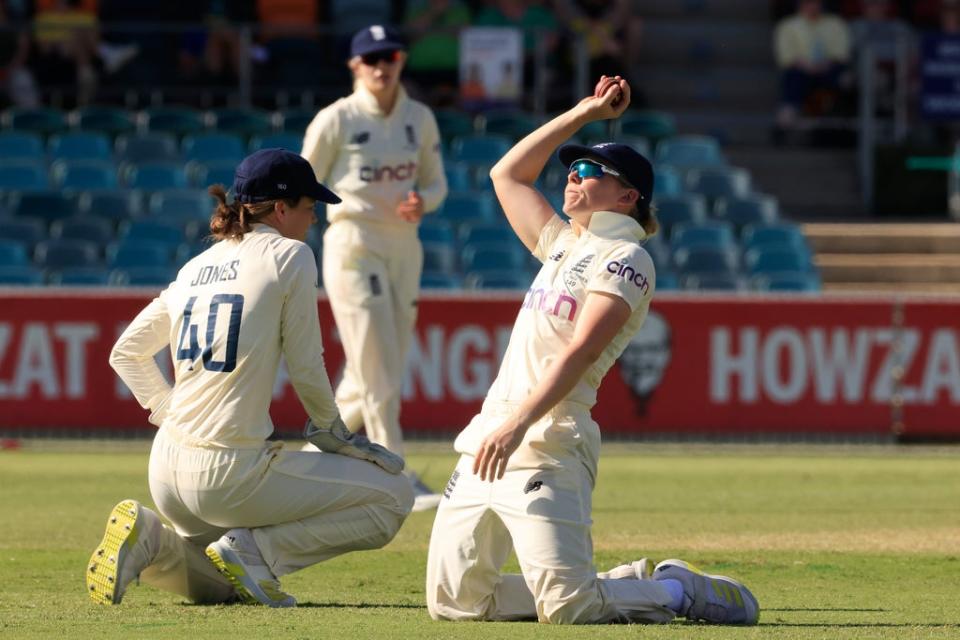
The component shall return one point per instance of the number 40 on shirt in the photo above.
(188, 347)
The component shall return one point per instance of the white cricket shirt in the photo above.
(227, 318)
(371, 159)
(606, 257)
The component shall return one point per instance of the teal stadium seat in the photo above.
(487, 233)
(459, 176)
(21, 145)
(139, 253)
(13, 254)
(461, 207)
(434, 230)
(512, 123)
(112, 204)
(705, 260)
(159, 231)
(84, 174)
(667, 280)
(775, 259)
(41, 120)
(296, 120)
(80, 145)
(66, 254)
(87, 228)
(111, 121)
(81, 277)
(153, 176)
(454, 124)
(719, 182)
(147, 147)
(25, 230)
(751, 210)
(242, 122)
(479, 149)
(502, 279)
(713, 233)
(690, 151)
(213, 147)
(182, 205)
(435, 280)
(289, 141)
(204, 175)
(786, 281)
(177, 121)
(47, 205)
(486, 257)
(23, 174)
(685, 208)
(784, 233)
(439, 257)
(143, 276)
(706, 281)
(652, 125)
(666, 181)
(20, 276)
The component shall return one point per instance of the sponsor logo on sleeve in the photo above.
(622, 269)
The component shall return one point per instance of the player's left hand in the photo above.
(496, 449)
(411, 209)
(610, 99)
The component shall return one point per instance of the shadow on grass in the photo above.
(821, 609)
(356, 605)
(866, 625)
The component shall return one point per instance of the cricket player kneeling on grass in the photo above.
(529, 459)
(243, 511)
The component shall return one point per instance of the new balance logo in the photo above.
(451, 483)
(557, 256)
(360, 138)
(533, 485)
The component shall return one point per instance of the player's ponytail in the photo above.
(232, 220)
(646, 215)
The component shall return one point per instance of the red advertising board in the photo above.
(700, 365)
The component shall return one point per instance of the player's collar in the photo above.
(368, 102)
(615, 226)
(262, 227)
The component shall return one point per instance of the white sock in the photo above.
(675, 589)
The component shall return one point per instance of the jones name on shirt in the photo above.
(218, 273)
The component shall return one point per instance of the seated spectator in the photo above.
(434, 55)
(65, 43)
(812, 50)
(16, 82)
(608, 29)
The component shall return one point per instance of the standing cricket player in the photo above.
(529, 459)
(244, 512)
(380, 151)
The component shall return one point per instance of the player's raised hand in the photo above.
(610, 98)
(411, 209)
(496, 449)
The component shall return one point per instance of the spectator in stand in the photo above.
(64, 47)
(434, 57)
(17, 85)
(950, 17)
(886, 35)
(608, 27)
(812, 50)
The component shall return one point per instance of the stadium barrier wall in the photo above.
(740, 365)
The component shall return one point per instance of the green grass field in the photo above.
(836, 542)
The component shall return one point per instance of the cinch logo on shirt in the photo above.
(388, 173)
(628, 273)
(550, 302)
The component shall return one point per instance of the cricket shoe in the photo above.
(237, 557)
(710, 598)
(424, 498)
(128, 546)
(641, 569)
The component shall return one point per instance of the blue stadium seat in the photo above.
(751, 210)
(160, 231)
(775, 258)
(487, 233)
(511, 123)
(21, 145)
(153, 176)
(440, 280)
(84, 174)
(713, 282)
(659, 251)
(242, 122)
(189, 250)
(66, 254)
(800, 281)
(436, 231)
(112, 121)
(140, 253)
(598, 130)
(143, 276)
(686, 208)
(503, 279)
(653, 125)
(44, 204)
(22, 174)
(80, 145)
(89, 228)
(20, 276)
(454, 124)
(41, 120)
(713, 233)
(113, 204)
(459, 176)
(460, 207)
(705, 259)
(439, 257)
(13, 254)
(753, 236)
(207, 174)
(177, 121)
(81, 277)
(719, 182)
(147, 147)
(666, 181)
(478, 149)
(182, 205)
(667, 281)
(213, 147)
(289, 141)
(690, 151)
(25, 230)
(485, 257)
(296, 120)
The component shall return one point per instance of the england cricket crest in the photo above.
(577, 273)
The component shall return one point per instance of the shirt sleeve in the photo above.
(132, 357)
(549, 236)
(431, 180)
(321, 142)
(626, 272)
(300, 335)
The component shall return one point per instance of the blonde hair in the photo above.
(232, 220)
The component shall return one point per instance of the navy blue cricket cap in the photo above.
(634, 169)
(376, 37)
(274, 174)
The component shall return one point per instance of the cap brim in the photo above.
(570, 152)
(377, 47)
(322, 194)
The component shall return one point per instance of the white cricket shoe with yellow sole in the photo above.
(710, 598)
(123, 553)
(237, 557)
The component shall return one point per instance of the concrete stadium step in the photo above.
(708, 43)
(883, 238)
(939, 288)
(890, 268)
(676, 87)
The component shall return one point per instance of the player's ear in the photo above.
(629, 197)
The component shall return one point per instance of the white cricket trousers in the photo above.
(544, 514)
(303, 508)
(371, 274)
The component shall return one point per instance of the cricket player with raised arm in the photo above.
(380, 151)
(242, 511)
(529, 459)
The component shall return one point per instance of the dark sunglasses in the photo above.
(375, 58)
(591, 169)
